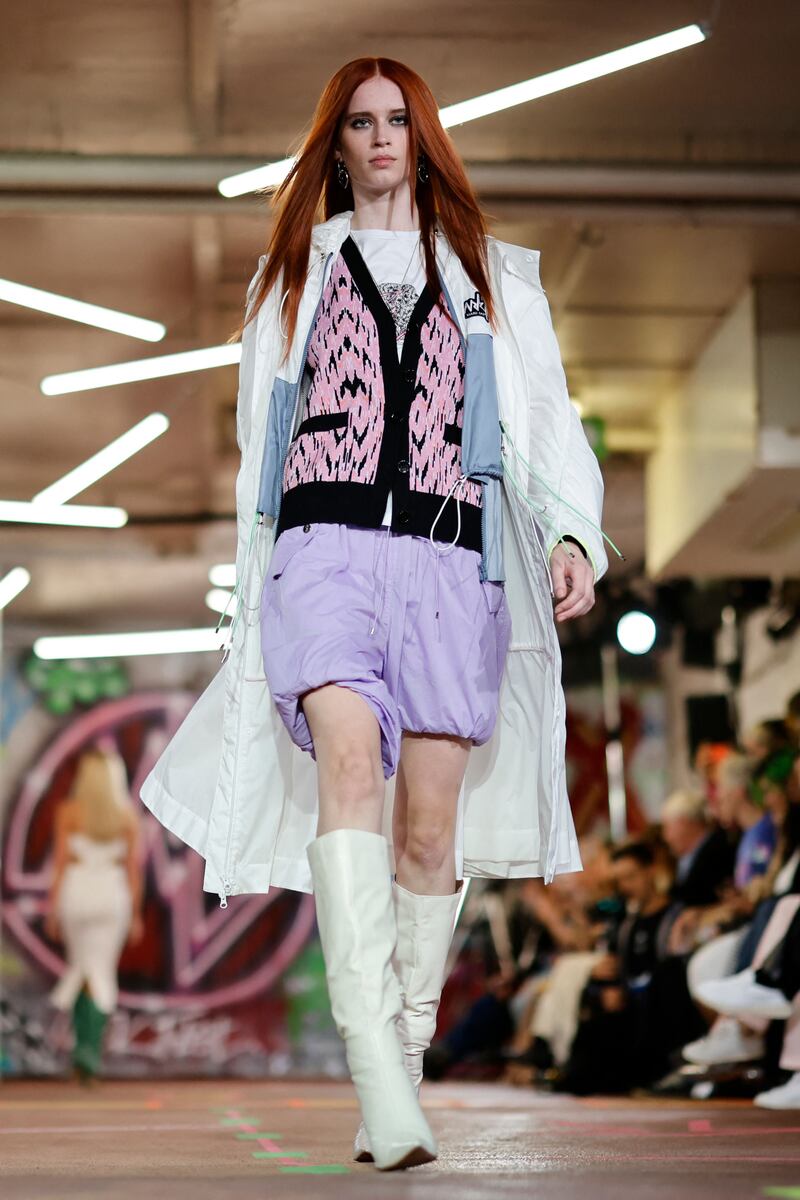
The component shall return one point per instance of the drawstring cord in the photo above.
(378, 604)
(533, 472)
(461, 483)
(236, 594)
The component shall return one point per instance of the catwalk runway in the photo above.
(198, 1140)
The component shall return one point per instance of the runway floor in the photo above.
(228, 1140)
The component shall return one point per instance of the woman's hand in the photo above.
(573, 582)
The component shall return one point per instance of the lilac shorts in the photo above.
(356, 607)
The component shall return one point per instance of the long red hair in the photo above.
(447, 194)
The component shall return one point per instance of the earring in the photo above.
(422, 168)
(342, 174)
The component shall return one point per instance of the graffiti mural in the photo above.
(206, 987)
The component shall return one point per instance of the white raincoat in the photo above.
(233, 785)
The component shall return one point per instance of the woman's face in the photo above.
(373, 140)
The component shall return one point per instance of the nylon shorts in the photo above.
(357, 607)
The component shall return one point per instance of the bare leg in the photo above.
(428, 782)
(347, 744)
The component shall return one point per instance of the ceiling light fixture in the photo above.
(15, 581)
(218, 599)
(90, 515)
(143, 368)
(272, 174)
(100, 464)
(78, 310)
(223, 575)
(122, 645)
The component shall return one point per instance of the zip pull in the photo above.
(227, 889)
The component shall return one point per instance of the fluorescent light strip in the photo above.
(12, 584)
(122, 645)
(223, 575)
(271, 175)
(143, 368)
(566, 77)
(77, 310)
(218, 599)
(274, 173)
(104, 461)
(63, 514)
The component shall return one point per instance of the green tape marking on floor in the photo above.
(280, 1154)
(239, 1121)
(245, 1137)
(783, 1193)
(326, 1169)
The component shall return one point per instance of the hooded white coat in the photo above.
(232, 784)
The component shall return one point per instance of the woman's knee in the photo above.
(429, 842)
(352, 772)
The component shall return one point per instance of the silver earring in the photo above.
(342, 174)
(422, 168)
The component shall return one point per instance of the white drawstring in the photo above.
(459, 483)
(379, 604)
(280, 313)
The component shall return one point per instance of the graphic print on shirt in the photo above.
(344, 354)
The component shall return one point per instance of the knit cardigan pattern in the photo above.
(376, 423)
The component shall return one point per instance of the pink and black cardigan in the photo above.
(375, 424)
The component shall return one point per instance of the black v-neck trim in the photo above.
(413, 512)
(380, 310)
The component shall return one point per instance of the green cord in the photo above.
(583, 517)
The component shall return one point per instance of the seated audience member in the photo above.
(708, 758)
(792, 720)
(737, 1036)
(766, 739)
(567, 917)
(769, 990)
(741, 808)
(548, 1021)
(635, 1008)
(704, 861)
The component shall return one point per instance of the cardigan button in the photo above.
(402, 466)
(403, 517)
(396, 414)
(409, 374)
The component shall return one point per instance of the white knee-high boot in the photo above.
(351, 872)
(425, 927)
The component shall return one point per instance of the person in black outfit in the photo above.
(636, 1007)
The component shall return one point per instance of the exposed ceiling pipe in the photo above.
(663, 192)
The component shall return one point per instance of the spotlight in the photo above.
(636, 632)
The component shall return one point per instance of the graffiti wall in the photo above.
(239, 990)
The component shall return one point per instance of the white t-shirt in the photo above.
(394, 256)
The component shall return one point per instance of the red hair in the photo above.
(447, 194)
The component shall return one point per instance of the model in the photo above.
(415, 485)
(95, 898)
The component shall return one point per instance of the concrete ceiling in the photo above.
(654, 195)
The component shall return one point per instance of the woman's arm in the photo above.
(61, 827)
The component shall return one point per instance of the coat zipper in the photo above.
(226, 880)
